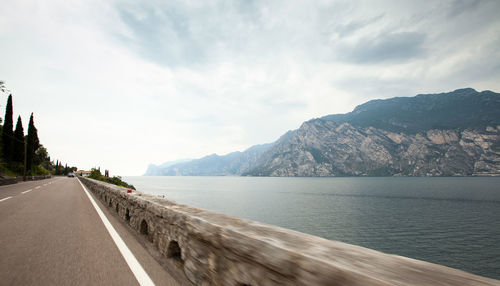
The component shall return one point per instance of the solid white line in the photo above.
(139, 272)
(27, 191)
(37, 187)
(5, 199)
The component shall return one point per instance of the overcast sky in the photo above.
(121, 84)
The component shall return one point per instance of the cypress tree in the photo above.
(7, 131)
(18, 143)
(33, 144)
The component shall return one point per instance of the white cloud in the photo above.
(120, 84)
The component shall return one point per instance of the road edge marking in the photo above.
(4, 199)
(134, 265)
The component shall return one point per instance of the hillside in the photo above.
(234, 163)
(446, 134)
(460, 109)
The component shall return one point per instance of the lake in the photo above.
(449, 221)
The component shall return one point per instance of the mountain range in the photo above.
(447, 134)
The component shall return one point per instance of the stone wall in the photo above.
(14, 180)
(215, 249)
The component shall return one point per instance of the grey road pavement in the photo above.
(51, 234)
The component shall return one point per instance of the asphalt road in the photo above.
(50, 234)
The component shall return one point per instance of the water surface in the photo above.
(449, 221)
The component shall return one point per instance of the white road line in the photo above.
(37, 187)
(27, 191)
(5, 199)
(44, 185)
(139, 272)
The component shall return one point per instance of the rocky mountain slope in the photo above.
(327, 148)
(235, 163)
(448, 134)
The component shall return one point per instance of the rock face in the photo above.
(447, 134)
(325, 148)
(214, 249)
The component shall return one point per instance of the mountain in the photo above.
(156, 170)
(446, 134)
(327, 148)
(460, 109)
(234, 163)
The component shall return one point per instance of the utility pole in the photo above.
(25, 157)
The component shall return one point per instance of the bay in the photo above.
(449, 221)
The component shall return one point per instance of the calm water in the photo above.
(449, 221)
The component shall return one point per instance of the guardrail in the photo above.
(216, 249)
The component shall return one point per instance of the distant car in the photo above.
(71, 175)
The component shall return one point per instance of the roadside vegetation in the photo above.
(20, 153)
(116, 180)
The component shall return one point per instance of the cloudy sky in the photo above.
(121, 84)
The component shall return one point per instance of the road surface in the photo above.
(51, 234)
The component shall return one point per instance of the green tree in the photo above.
(7, 131)
(95, 174)
(18, 143)
(117, 180)
(48, 165)
(33, 144)
(41, 155)
(2, 90)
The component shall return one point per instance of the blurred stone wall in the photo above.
(215, 249)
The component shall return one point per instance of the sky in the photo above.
(122, 84)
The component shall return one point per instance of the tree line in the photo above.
(95, 173)
(24, 154)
